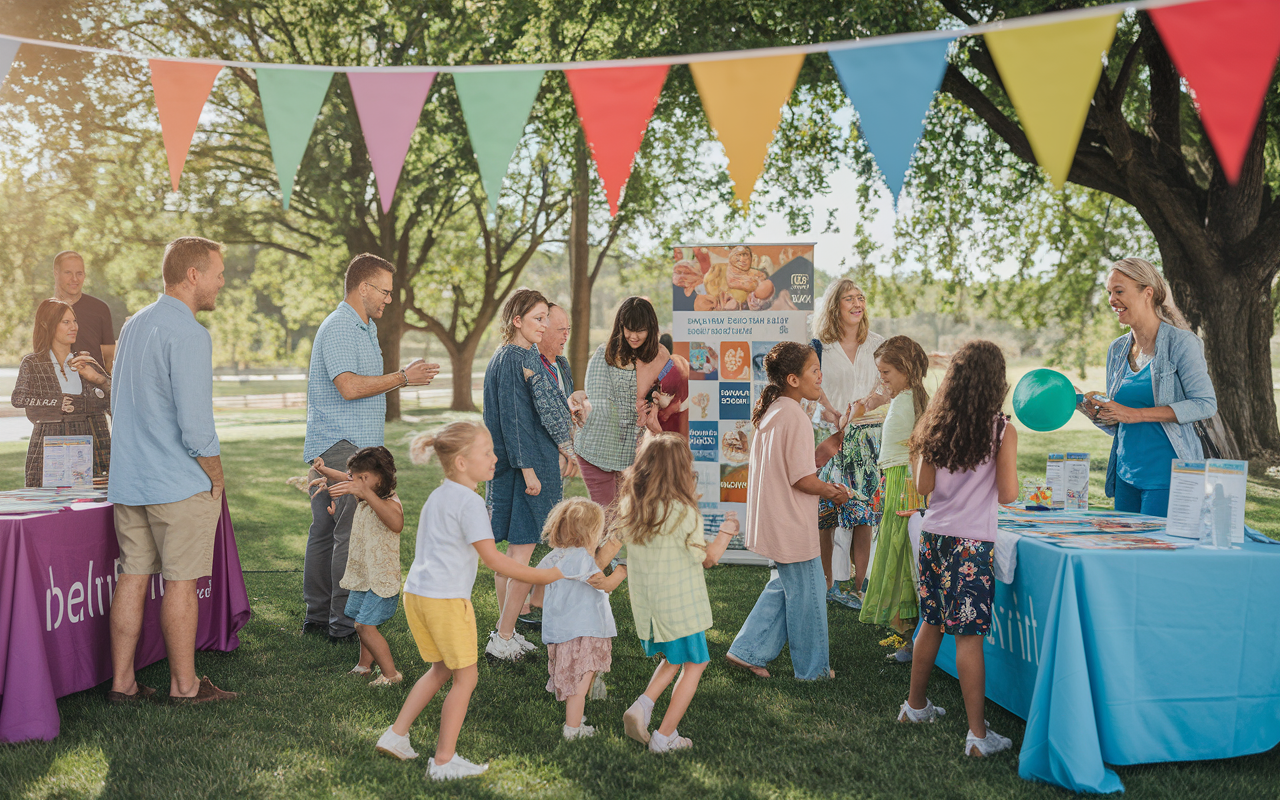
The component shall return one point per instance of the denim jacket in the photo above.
(1179, 379)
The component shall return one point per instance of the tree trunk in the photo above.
(580, 279)
(461, 362)
(390, 330)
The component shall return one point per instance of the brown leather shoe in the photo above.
(139, 694)
(207, 693)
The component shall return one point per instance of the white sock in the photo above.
(645, 702)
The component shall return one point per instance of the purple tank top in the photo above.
(964, 504)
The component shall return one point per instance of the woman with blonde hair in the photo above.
(1158, 387)
(846, 349)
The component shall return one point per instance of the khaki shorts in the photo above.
(444, 629)
(174, 539)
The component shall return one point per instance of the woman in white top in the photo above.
(846, 348)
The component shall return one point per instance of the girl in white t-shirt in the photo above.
(577, 622)
(453, 536)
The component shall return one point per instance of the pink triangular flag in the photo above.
(1227, 50)
(181, 90)
(389, 105)
(615, 105)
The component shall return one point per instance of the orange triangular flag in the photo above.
(743, 99)
(181, 90)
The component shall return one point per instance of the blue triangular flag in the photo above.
(891, 87)
(8, 49)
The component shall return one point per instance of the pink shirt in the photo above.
(964, 504)
(782, 522)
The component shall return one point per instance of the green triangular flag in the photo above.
(496, 106)
(291, 101)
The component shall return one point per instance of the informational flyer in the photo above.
(731, 303)
(1054, 482)
(68, 461)
(1186, 499)
(1075, 479)
(1225, 482)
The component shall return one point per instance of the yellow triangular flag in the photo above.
(743, 99)
(1050, 73)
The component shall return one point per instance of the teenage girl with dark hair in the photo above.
(782, 521)
(965, 455)
(619, 377)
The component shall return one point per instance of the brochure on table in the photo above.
(1208, 497)
(731, 303)
(1067, 477)
(68, 461)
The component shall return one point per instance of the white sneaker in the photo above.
(396, 746)
(503, 649)
(989, 746)
(929, 713)
(665, 744)
(635, 721)
(525, 645)
(453, 769)
(581, 732)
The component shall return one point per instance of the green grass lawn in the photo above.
(303, 728)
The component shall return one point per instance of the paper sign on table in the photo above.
(1053, 479)
(1232, 476)
(1186, 498)
(1075, 479)
(68, 461)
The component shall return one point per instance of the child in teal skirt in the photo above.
(891, 599)
(659, 522)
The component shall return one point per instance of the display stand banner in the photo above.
(730, 304)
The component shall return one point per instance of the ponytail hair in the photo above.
(1145, 274)
(446, 444)
(521, 302)
(906, 356)
(786, 358)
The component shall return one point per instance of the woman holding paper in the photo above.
(1158, 387)
(64, 393)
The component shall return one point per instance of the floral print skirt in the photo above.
(957, 583)
(855, 467)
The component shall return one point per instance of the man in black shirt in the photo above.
(97, 337)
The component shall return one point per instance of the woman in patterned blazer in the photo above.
(64, 393)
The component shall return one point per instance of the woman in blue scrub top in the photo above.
(1157, 387)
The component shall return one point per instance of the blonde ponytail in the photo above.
(1145, 274)
(446, 444)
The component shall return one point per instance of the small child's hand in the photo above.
(333, 508)
(730, 525)
(318, 463)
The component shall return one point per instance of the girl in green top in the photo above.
(659, 522)
(891, 598)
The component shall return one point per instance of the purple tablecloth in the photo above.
(57, 578)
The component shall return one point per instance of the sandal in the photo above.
(385, 680)
(361, 672)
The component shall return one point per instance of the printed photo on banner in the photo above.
(743, 277)
(703, 358)
(758, 351)
(733, 483)
(704, 441)
(704, 401)
(735, 361)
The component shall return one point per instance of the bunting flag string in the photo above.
(181, 91)
(1227, 52)
(1049, 64)
(891, 88)
(389, 106)
(743, 100)
(290, 105)
(615, 106)
(496, 106)
(1050, 73)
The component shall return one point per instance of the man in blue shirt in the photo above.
(346, 411)
(166, 472)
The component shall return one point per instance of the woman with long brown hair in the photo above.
(619, 377)
(64, 393)
(846, 346)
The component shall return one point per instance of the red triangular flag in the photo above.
(181, 90)
(615, 105)
(1226, 50)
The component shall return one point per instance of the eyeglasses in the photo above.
(385, 293)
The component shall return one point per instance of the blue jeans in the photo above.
(1152, 502)
(792, 610)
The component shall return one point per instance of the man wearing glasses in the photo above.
(346, 411)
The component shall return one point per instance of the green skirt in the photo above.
(891, 599)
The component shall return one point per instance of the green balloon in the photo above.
(1044, 400)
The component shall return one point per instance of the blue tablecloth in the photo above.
(1135, 656)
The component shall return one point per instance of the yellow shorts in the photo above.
(445, 629)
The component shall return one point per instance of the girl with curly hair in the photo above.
(965, 455)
